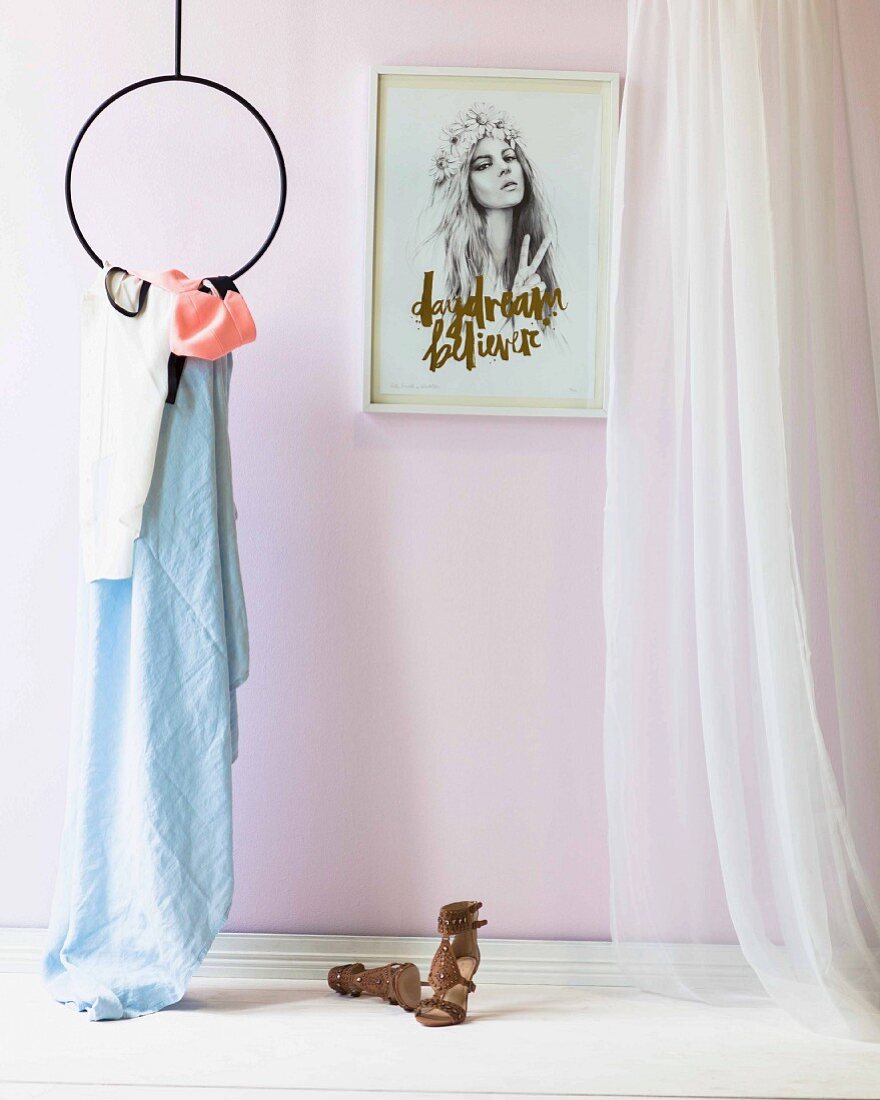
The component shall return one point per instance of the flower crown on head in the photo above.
(478, 121)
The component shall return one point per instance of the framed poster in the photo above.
(488, 242)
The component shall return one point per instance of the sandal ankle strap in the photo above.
(341, 978)
(456, 918)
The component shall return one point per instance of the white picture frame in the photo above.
(423, 226)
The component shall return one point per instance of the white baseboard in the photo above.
(257, 955)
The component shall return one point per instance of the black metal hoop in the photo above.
(177, 75)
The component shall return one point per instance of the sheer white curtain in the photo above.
(742, 526)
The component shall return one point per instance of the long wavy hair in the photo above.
(460, 226)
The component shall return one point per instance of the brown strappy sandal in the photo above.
(398, 983)
(455, 962)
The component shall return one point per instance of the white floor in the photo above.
(253, 1040)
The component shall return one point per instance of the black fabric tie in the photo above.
(142, 296)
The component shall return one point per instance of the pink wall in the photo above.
(423, 717)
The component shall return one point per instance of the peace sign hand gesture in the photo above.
(527, 276)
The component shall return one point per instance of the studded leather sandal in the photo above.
(398, 983)
(455, 962)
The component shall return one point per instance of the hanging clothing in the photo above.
(136, 330)
(123, 386)
(145, 877)
(209, 316)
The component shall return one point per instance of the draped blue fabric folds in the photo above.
(145, 875)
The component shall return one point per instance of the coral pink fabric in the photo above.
(204, 325)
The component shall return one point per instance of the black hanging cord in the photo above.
(178, 19)
(177, 75)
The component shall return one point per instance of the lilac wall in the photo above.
(423, 717)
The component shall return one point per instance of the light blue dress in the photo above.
(145, 875)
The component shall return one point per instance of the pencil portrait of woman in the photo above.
(488, 214)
